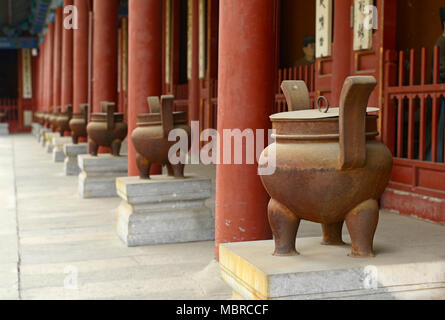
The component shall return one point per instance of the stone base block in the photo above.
(4, 128)
(326, 272)
(58, 143)
(49, 141)
(72, 151)
(97, 178)
(42, 136)
(36, 127)
(164, 210)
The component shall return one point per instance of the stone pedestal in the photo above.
(36, 127)
(49, 141)
(399, 271)
(58, 143)
(72, 151)
(164, 210)
(4, 128)
(97, 178)
(41, 137)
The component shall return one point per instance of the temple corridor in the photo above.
(48, 233)
(48, 230)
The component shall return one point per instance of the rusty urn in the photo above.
(78, 124)
(150, 138)
(45, 118)
(2, 117)
(63, 120)
(330, 169)
(54, 119)
(106, 129)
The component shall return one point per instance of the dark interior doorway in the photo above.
(8, 74)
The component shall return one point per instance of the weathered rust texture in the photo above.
(78, 124)
(106, 129)
(63, 120)
(328, 170)
(150, 138)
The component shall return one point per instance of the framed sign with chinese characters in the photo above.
(323, 32)
(26, 74)
(363, 22)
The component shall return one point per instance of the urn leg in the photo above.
(143, 166)
(284, 224)
(93, 147)
(116, 147)
(332, 234)
(75, 138)
(170, 171)
(362, 223)
(178, 170)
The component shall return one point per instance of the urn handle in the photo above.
(84, 111)
(297, 95)
(108, 108)
(154, 105)
(69, 111)
(167, 114)
(352, 121)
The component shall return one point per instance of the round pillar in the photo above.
(194, 83)
(341, 48)
(104, 52)
(57, 56)
(67, 61)
(247, 77)
(80, 51)
(49, 67)
(144, 64)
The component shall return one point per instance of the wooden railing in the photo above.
(209, 113)
(305, 73)
(413, 121)
(9, 108)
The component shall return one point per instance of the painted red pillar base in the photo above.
(104, 52)
(144, 70)
(80, 52)
(104, 55)
(247, 74)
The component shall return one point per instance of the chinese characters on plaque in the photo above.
(26, 73)
(363, 24)
(323, 31)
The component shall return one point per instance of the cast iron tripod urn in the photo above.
(330, 169)
(63, 120)
(150, 138)
(106, 129)
(78, 124)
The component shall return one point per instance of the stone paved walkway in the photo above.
(48, 234)
(49, 237)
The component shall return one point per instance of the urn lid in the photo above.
(312, 114)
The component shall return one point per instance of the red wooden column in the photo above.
(104, 52)
(80, 52)
(341, 49)
(57, 56)
(40, 79)
(247, 77)
(144, 64)
(49, 67)
(194, 83)
(67, 62)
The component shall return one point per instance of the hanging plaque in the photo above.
(363, 24)
(27, 73)
(323, 32)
